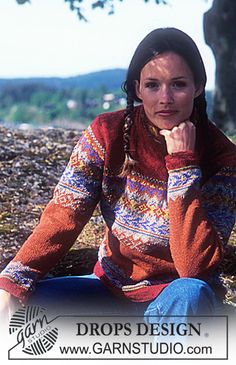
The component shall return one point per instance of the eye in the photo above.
(151, 85)
(179, 84)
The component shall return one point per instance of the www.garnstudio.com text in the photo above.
(135, 348)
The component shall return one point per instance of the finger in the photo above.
(190, 124)
(183, 125)
(175, 129)
(164, 132)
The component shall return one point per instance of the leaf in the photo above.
(21, 2)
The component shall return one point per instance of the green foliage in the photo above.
(109, 5)
(49, 100)
(40, 104)
(21, 2)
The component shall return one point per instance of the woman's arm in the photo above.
(74, 200)
(201, 219)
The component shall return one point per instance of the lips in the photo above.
(166, 113)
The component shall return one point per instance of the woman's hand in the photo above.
(5, 299)
(180, 138)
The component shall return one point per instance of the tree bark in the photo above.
(220, 34)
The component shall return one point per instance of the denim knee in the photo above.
(190, 288)
(184, 296)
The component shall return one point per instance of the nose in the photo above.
(166, 95)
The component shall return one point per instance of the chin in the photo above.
(166, 125)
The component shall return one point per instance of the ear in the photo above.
(137, 89)
(198, 91)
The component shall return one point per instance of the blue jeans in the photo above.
(86, 295)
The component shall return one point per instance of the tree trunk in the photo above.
(220, 35)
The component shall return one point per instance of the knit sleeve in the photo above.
(74, 200)
(201, 218)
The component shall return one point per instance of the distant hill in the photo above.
(111, 79)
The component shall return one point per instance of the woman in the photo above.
(164, 176)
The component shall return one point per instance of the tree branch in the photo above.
(102, 4)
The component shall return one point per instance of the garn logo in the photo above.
(34, 331)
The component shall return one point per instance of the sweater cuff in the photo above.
(15, 290)
(182, 159)
(184, 174)
(19, 280)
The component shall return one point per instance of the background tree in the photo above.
(220, 34)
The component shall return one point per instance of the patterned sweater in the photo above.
(169, 218)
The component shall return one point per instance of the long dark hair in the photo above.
(159, 41)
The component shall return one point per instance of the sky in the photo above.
(44, 38)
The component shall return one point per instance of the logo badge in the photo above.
(33, 330)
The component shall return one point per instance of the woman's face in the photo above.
(167, 90)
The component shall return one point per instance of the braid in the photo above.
(129, 161)
(201, 106)
(204, 136)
